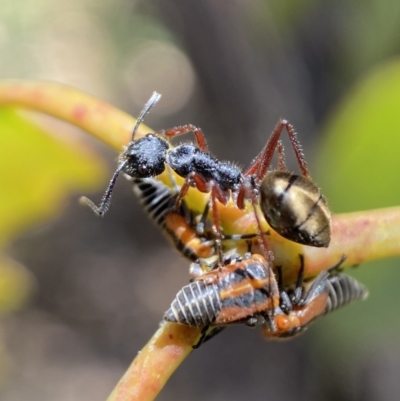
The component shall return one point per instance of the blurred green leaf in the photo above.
(16, 285)
(37, 173)
(359, 164)
(360, 158)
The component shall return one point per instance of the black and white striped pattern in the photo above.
(342, 290)
(156, 198)
(196, 304)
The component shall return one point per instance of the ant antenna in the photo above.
(106, 199)
(155, 97)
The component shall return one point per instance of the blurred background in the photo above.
(95, 289)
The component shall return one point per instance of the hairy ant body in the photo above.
(306, 222)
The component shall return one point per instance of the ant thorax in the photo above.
(182, 159)
(145, 157)
(229, 176)
(188, 158)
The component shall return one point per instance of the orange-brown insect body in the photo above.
(325, 294)
(246, 291)
(231, 294)
(159, 201)
(179, 224)
(185, 238)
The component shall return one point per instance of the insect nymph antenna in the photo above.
(155, 97)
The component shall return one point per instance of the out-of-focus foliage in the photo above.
(360, 163)
(16, 285)
(360, 152)
(37, 172)
(102, 47)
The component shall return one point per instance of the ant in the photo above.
(306, 221)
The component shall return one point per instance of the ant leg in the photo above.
(298, 151)
(106, 199)
(264, 246)
(183, 191)
(260, 234)
(185, 129)
(193, 180)
(264, 158)
(281, 157)
(179, 203)
(262, 162)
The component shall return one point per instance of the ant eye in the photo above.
(142, 168)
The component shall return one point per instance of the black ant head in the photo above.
(145, 157)
(142, 158)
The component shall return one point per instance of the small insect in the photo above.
(292, 204)
(246, 291)
(159, 201)
(179, 224)
(234, 293)
(308, 301)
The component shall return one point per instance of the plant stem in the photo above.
(155, 363)
(107, 123)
